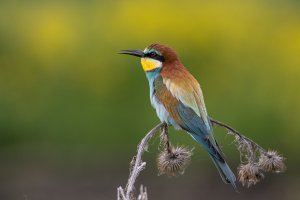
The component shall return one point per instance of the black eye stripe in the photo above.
(155, 56)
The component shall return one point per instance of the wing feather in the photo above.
(186, 89)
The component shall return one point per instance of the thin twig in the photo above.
(137, 163)
(143, 193)
(232, 130)
(121, 194)
(164, 138)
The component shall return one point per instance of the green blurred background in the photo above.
(72, 110)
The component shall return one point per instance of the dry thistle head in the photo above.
(249, 174)
(174, 161)
(271, 162)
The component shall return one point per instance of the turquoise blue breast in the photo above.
(154, 78)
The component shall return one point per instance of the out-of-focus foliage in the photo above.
(68, 97)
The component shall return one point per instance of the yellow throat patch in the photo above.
(149, 64)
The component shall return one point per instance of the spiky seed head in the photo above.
(249, 174)
(173, 162)
(271, 161)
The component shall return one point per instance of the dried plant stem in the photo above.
(164, 138)
(137, 165)
(172, 160)
(231, 130)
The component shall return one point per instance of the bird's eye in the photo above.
(152, 54)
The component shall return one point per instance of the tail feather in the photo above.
(225, 172)
(216, 155)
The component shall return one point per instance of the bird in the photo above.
(178, 100)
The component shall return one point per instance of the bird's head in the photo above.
(154, 56)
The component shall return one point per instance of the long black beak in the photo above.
(138, 53)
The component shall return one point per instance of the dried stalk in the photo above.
(172, 161)
(137, 165)
(233, 131)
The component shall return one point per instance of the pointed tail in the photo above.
(226, 174)
(216, 155)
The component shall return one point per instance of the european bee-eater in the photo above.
(177, 98)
